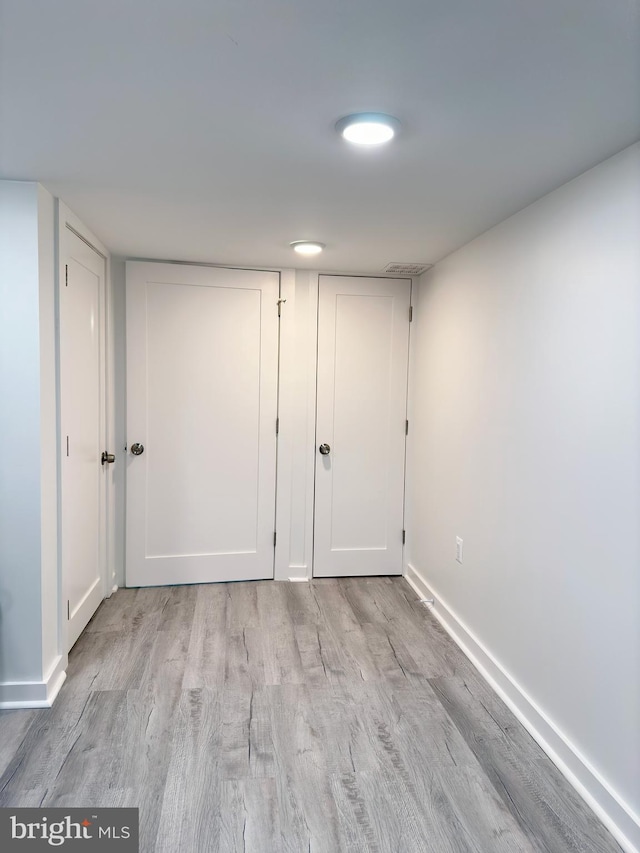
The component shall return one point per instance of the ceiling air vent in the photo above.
(407, 269)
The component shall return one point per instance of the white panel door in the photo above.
(363, 345)
(202, 372)
(82, 389)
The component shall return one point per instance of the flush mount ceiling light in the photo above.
(368, 128)
(307, 247)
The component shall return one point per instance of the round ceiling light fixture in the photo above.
(368, 128)
(307, 247)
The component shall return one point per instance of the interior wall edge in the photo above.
(118, 312)
(51, 605)
(27, 520)
(600, 796)
(285, 437)
(23, 695)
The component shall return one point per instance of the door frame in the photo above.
(297, 425)
(66, 221)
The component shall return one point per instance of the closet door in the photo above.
(363, 345)
(202, 361)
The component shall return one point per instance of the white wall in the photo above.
(31, 665)
(525, 441)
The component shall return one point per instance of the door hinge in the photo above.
(277, 425)
(406, 427)
(68, 611)
(66, 275)
(280, 301)
(274, 538)
(67, 445)
(411, 313)
(404, 536)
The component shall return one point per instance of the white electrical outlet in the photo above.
(458, 549)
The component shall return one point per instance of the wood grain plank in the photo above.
(242, 607)
(391, 658)
(261, 750)
(249, 660)
(250, 817)
(486, 717)
(362, 596)
(14, 726)
(377, 813)
(151, 713)
(179, 607)
(330, 716)
(308, 812)
(348, 638)
(236, 727)
(190, 816)
(431, 648)
(302, 607)
(314, 659)
(343, 727)
(286, 663)
(42, 752)
(91, 773)
(549, 821)
(207, 643)
(113, 613)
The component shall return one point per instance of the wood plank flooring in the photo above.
(304, 718)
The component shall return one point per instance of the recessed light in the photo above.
(368, 128)
(307, 247)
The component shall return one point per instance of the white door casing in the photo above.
(363, 343)
(82, 346)
(202, 363)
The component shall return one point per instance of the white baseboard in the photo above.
(34, 694)
(294, 573)
(292, 580)
(615, 814)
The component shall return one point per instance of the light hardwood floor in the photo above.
(304, 718)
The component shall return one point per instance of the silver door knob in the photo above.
(137, 449)
(107, 457)
(324, 449)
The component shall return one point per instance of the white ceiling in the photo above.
(203, 129)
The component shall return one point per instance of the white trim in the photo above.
(92, 599)
(310, 441)
(296, 429)
(68, 217)
(608, 805)
(284, 470)
(109, 578)
(34, 694)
